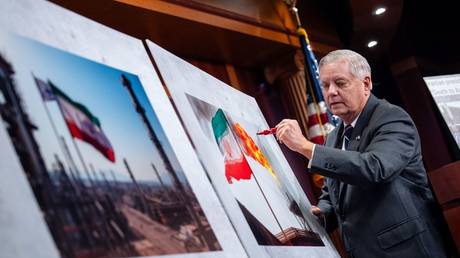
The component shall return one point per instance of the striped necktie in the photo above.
(347, 135)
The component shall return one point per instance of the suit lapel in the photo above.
(355, 138)
(362, 122)
(334, 136)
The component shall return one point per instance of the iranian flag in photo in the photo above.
(236, 165)
(83, 125)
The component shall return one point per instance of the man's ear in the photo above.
(367, 84)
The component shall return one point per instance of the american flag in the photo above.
(320, 121)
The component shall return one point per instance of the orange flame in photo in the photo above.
(251, 149)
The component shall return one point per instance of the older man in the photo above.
(376, 185)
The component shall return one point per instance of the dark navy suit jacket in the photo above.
(378, 189)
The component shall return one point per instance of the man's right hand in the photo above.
(288, 132)
(315, 211)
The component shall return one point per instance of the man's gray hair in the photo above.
(359, 66)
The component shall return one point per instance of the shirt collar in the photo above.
(352, 123)
(353, 126)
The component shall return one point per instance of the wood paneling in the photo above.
(446, 185)
(193, 33)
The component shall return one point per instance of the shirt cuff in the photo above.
(312, 155)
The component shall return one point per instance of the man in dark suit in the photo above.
(376, 186)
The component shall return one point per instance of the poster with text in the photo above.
(445, 90)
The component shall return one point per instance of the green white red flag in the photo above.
(236, 165)
(82, 124)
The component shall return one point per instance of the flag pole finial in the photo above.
(292, 7)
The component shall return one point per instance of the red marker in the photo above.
(267, 131)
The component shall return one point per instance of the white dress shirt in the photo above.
(343, 140)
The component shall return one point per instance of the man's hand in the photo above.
(319, 214)
(315, 211)
(288, 133)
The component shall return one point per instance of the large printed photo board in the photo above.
(95, 150)
(250, 174)
(445, 90)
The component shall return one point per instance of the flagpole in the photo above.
(93, 171)
(96, 207)
(75, 181)
(313, 84)
(69, 161)
(302, 33)
(78, 212)
(257, 181)
(82, 161)
(72, 162)
(270, 207)
(53, 125)
(77, 149)
(305, 43)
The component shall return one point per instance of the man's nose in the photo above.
(332, 90)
